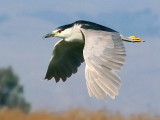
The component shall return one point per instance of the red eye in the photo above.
(59, 31)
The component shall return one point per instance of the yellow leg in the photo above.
(136, 39)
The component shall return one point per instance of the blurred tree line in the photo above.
(11, 92)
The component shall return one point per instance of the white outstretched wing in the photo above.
(104, 53)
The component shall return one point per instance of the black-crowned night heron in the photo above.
(100, 47)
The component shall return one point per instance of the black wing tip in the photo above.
(48, 78)
(57, 79)
(64, 79)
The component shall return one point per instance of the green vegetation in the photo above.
(11, 93)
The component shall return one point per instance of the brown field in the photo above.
(74, 114)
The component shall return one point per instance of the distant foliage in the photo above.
(73, 114)
(11, 93)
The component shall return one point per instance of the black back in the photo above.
(87, 25)
(94, 26)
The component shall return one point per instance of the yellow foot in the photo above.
(136, 39)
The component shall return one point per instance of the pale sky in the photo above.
(23, 23)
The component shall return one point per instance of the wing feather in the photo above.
(67, 57)
(93, 88)
(104, 53)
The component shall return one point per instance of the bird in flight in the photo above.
(100, 47)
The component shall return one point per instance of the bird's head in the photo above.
(61, 32)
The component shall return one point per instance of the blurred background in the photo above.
(24, 55)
